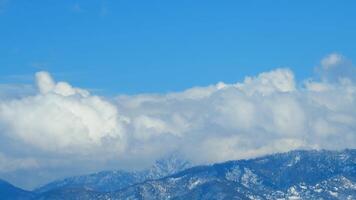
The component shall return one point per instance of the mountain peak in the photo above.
(168, 165)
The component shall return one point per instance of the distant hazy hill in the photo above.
(293, 175)
(10, 192)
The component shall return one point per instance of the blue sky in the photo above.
(53, 52)
(159, 46)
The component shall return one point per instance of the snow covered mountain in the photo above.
(107, 181)
(293, 175)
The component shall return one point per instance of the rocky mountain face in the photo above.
(293, 175)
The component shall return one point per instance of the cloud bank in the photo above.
(61, 126)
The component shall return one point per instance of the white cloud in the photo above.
(279, 80)
(263, 114)
(61, 119)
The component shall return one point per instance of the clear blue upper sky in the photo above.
(128, 46)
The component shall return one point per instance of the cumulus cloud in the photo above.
(61, 119)
(267, 113)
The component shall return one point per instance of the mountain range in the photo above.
(108, 181)
(300, 174)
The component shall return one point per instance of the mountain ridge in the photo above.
(252, 183)
(298, 174)
(108, 181)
